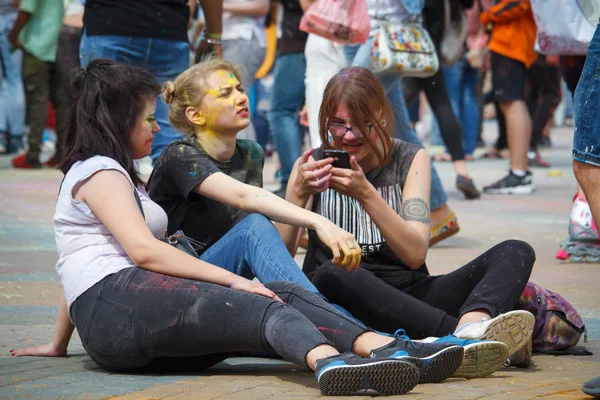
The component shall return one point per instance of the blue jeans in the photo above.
(461, 82)
(359, 56)
(254, 249)
(586, 141)
(165, 58)
(287, 99)
(12, 95)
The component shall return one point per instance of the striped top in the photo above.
(349, 214)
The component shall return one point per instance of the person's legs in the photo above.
(509, 78)
(546, 79)
(470, 116)
(379, 304)
(253, 248)
(437, 96)
(67, 58)
(586, 146)
(323, 60)
(12, 98)
(287, 99)
(135, 316)
(62, 107)
(165, 58)
(36, 77)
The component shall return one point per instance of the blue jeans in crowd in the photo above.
(287, 99)
(12, 95)
(461, 82)
(586, 141)
(165, 58)
(359, 56)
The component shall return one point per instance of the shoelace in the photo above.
(401, 333)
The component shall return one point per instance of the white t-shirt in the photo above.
(87, 250)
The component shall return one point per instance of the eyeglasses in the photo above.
(339, 130)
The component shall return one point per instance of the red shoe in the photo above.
(22, 163)
(51, 163)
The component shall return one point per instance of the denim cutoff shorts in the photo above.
(586, 141)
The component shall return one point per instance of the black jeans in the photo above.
(133, 317)
(437, 96)
(543, 97)
(426, 305)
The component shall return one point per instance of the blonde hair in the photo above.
(188, 90)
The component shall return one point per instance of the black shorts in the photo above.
(508, 78)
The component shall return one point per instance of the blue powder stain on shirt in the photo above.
(192, 173)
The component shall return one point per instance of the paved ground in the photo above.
(29, 290)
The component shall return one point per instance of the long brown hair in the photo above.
(364, 97)
(108, 99)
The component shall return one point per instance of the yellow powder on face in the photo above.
(212, 92)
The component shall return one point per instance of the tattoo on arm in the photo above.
(415, 209)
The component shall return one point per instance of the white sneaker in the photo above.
(513, 328)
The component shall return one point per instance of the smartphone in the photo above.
(341, 158)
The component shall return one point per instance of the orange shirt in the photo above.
(513, 34)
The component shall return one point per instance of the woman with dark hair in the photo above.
(135, 298)
(383, 199)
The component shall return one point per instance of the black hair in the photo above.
(108, 99)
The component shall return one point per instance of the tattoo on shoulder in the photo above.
(415, 209)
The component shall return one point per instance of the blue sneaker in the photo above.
(437, 361)
(347, 374)
(482, 357)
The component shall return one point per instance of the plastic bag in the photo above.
(342, 21)
(565, 27)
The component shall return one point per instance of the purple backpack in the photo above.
(558, 325)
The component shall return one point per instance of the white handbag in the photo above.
(565, 27)
(403, 47)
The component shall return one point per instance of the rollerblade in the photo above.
(583, 244)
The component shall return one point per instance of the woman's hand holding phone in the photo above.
(312, 176)
(350, 182)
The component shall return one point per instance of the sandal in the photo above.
(447, 228)
(467, 187)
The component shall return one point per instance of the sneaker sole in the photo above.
(442, 365)
(482, 359)
(389, 377)
(523, 190)
(513, 328)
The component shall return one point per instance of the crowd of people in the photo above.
(118, 77)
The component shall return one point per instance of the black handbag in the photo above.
(178, 240)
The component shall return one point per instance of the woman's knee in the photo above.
(285, 286)
(520, 250)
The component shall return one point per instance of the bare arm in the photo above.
(305, 4)
(407, 235)
(250, 8)
(224, 189)
(62, 334)
(107, 188)
(22, 19)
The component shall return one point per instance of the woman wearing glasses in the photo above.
(383, 199)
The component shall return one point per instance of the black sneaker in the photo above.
(512, 184)
(437, 361)
(467, 187)
(347, 374)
